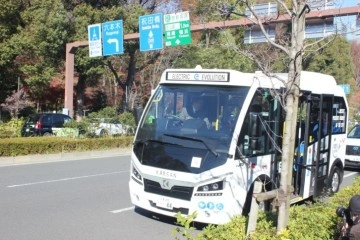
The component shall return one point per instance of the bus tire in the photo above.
(263, 206)
(334, 180)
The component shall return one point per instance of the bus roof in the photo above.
(310, 81)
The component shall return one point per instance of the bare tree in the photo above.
(295, 53)
(355, 54)
(293, 46)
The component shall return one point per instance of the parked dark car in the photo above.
(42, 124)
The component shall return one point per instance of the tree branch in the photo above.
(282, 3)
(261, 25)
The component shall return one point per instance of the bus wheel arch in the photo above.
(266, 186)
(335, 176)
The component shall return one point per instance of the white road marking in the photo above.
(123, 210)
(65, 179)
(350, 174)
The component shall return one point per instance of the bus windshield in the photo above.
(183, 121)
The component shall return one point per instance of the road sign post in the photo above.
(94, 37)
(113, 37)
(177, 29)
(151, 32)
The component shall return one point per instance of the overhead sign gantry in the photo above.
(71, 47)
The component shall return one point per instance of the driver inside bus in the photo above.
(196, 110)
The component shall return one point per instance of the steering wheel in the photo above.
(176, 121)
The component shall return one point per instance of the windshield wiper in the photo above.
(146, 141)
(156, 141)
(196, 140)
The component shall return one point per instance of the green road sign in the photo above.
(177, 29)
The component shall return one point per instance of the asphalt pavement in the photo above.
(39, 158)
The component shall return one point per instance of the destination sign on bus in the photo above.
(198, 76)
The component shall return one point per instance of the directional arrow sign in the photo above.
(94, 37)
(113, 37)
(151, 32)
(177, 29)
(114, 40)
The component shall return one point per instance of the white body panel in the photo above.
(218, 207)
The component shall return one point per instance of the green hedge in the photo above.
(12, 128)
(310, 221)
(46, 145)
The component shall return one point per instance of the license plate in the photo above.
(164, 203)
(27, 130)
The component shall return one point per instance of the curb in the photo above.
(41, 158)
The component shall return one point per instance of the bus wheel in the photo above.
(334, 180)
(263, 206)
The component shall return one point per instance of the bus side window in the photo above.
(253, 136)
(338, 116)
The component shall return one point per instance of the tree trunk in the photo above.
(129, 81)
(292, 99)
(80, 90)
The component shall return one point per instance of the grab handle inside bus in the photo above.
(255, 125)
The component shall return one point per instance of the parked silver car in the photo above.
(104, 127)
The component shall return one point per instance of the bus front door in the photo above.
(313, 146)
(323, 144)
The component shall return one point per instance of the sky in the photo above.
(350, 21)
(346, 3)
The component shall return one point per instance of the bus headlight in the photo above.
(211, 187)
(136, 173)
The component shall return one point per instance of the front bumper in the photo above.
(211, 208)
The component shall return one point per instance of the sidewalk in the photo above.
(5, 161)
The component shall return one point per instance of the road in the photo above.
(80, 199)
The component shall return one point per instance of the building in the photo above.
(315, 27)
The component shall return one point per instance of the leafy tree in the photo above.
(225, 58)
(41, 43)
(334, 59)
(10, 20)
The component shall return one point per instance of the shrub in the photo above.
(234, 230)
(127, 118)
(82, 126)
(312, 220)
(108, 112)
(46, 145)
(11, 128)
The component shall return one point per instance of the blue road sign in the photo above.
(94, 38)
(113, 37)
(151, 32)
(346, 88)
